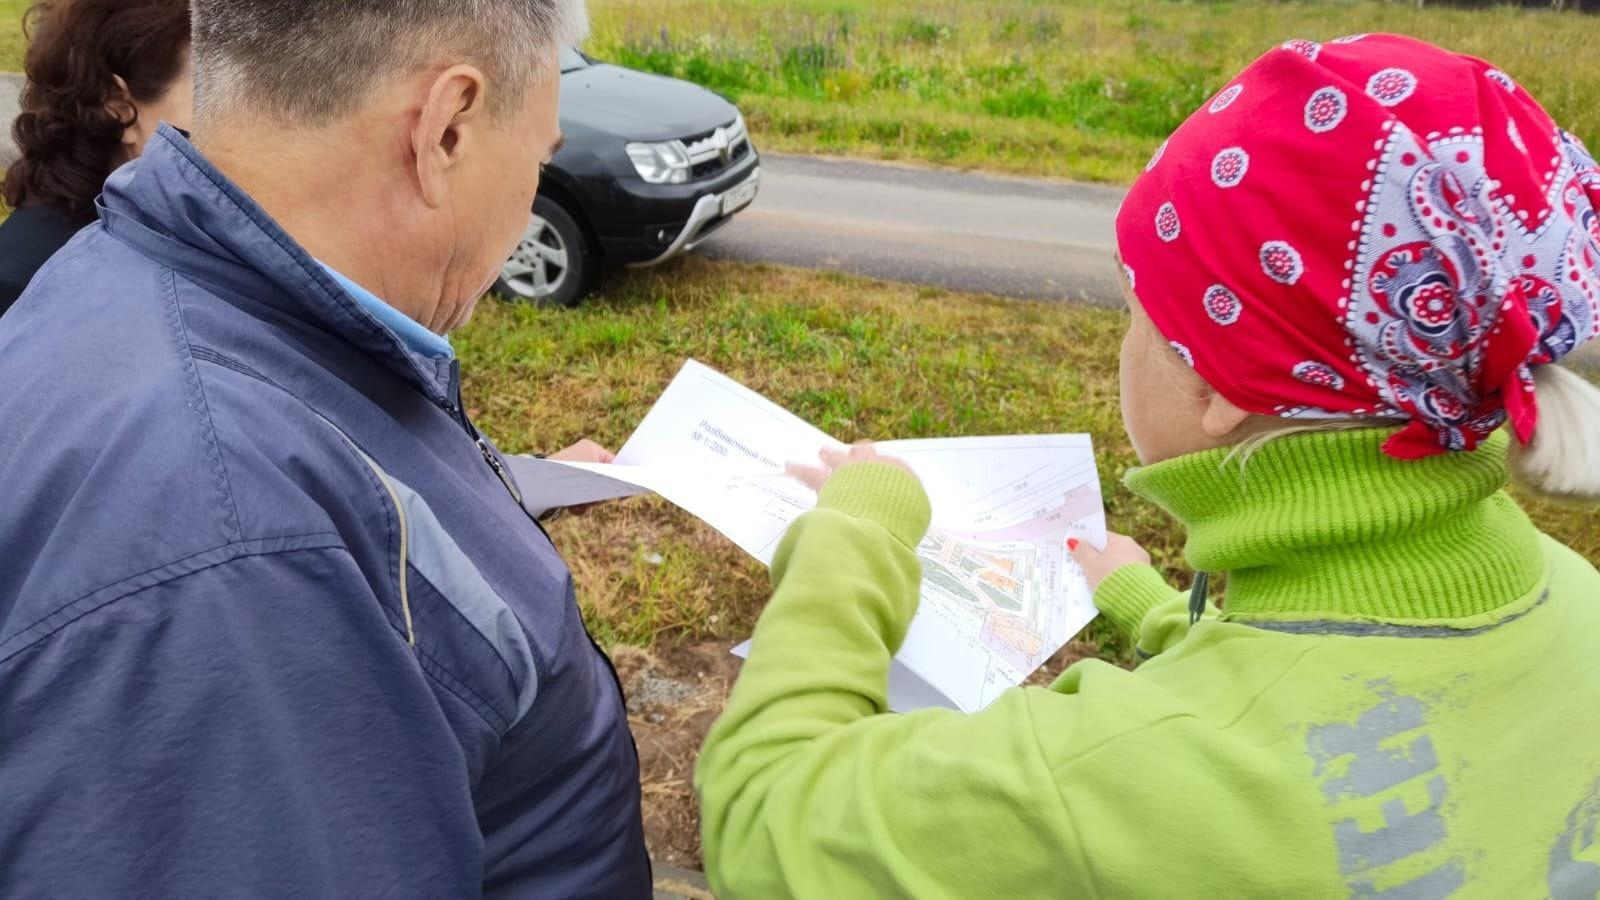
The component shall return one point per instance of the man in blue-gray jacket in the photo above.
(272, 620)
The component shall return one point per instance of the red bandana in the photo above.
(1372, 227)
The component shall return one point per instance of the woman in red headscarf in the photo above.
(1351, 274)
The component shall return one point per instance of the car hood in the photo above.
(639, 106)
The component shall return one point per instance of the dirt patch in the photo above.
(1064, 658)
(675, 693)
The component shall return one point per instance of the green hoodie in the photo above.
(1400, 701)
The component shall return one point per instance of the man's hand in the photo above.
(1120, 551)
(585, 452)
(815, 477)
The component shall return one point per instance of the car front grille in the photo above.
(713, 151)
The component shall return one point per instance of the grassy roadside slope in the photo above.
(1076, 88)
(1081, 89)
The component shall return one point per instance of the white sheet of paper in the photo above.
(557, 485)
(1000, 593)
(733, 444)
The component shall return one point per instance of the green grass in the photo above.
(857, 358)
(1077, 88)
(1083, 89)
(12, 45)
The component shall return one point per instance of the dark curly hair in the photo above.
(67, 138)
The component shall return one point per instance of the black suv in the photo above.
(651, 167)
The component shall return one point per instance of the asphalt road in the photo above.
(10, 87)
(1017, 237)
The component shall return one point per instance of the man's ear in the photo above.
(445, 129)
(1221, 417)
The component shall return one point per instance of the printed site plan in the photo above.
(1000, 593)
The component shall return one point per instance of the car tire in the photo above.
(555, 263)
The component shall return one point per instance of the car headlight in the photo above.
(663, 163)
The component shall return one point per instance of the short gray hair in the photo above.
(311, 61)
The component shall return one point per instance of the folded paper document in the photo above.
(1000, 593)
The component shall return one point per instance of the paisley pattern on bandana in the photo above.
(1326, 109)
(1409, 256)
(1308, 49)
(1229, 166)
(1222, 305)
(1226, 98)
(1167, 225)
(1391, 86)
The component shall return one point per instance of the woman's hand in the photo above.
(815, 477)
(1120, 551)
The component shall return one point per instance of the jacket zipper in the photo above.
(459, 407)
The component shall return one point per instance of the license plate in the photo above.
(739, 197)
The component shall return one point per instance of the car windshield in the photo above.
(572, 59)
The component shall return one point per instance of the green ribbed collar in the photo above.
(1323, 525)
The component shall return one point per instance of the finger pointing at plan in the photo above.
(1000, 593)
(815, 477)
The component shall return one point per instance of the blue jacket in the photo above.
(272, 623)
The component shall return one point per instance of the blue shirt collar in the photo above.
(409, 330)
(173, 206)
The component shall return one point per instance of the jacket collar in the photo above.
(176, 207)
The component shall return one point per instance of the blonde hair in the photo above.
(1248, 447)
(1562, 462)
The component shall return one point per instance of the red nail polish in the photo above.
(1072, 543)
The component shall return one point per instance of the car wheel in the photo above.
(554, 264)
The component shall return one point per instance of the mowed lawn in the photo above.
(858, 358)
(1077, 88)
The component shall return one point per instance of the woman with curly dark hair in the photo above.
(101, 75)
